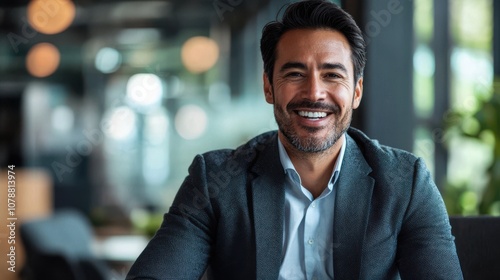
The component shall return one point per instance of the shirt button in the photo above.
(310, 241)
(313, 205)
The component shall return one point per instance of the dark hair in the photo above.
(313, 14)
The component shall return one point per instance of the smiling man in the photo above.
(316, 199)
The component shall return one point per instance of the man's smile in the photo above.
(312, 114)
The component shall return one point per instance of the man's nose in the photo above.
(315, 89)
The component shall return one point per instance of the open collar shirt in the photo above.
(308, 225)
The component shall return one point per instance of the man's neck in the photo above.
(315, 169)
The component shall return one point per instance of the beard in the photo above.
(312, 143)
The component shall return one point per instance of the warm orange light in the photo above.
(51, 16)
(42, 60)
(199, 54)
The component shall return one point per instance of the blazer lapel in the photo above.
(352, 204)
(268, 200)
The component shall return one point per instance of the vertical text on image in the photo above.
(11, 217)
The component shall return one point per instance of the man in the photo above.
(315, 200)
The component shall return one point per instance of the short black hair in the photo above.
(313, 14)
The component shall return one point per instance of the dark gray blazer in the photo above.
(390, 220)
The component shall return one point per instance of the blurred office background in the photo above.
(105, 103)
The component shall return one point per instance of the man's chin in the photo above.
(308, 143)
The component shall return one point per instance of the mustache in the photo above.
(334, 108)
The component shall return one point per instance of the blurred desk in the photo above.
(119, 251)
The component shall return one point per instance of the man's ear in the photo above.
(268, 89)
(358, 93)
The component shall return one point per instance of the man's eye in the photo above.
(294, 74)
(333, 76)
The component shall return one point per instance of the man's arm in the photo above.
(181, 247)
(426, 248)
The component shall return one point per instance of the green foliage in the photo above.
(482, 125)
(146, 222)
(460, 200)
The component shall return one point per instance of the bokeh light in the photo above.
(156, 126)
(199, 54)
(469, 201)
(144, 90)
(191, 122)
(42, 60)
(120, 123)
(108, 60)
(63, 119)
(51, 16)
(156, 149)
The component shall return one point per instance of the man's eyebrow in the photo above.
(293, 65)
(302, 66)
(334, 66)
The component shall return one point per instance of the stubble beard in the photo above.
(312, 144)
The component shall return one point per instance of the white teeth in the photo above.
(314, 115)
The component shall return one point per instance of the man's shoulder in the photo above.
(382, 157)
(243, 154)
(395, 171)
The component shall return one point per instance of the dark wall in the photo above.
(386, 112)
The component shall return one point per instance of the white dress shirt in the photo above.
(308, 225)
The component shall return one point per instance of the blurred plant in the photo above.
(146, 222)
(481, 124)
(460, 200)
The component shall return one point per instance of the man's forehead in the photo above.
(324, 33)
(303, 44)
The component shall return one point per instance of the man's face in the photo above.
(313, 88)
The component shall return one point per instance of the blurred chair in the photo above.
(59, 248)
(478, 246)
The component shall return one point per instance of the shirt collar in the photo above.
(288, 165)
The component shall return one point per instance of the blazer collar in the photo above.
(352, 204)
(268, 201)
